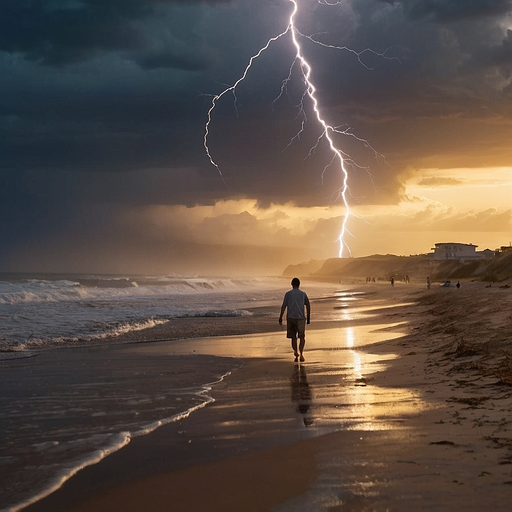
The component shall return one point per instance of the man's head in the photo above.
(295, 282)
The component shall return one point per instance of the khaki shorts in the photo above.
(295, 327)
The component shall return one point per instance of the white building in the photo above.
(455, 251)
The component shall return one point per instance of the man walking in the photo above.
(294, 301)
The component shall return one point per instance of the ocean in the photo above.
(47, 311)
(70, 396)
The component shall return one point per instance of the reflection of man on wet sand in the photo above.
(301, 392)
(294, 301)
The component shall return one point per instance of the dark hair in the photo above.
(296, 281)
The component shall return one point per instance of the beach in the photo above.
(403, 403)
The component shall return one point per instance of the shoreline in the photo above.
(450, 454)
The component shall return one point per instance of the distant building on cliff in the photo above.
(460, 252)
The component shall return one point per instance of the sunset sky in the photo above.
(103, 105)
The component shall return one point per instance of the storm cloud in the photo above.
(62, 32)
(453, 10)
(103, 105)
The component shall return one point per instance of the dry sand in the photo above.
(448, 449)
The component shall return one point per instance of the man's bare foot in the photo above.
(302, 358)
(296, 359)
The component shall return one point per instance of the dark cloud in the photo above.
(452, 10)
(174, 60)
(497, 55)
(108, 114)
(60, 32)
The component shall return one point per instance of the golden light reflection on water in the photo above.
(356, 356)
(348, 308)
(348, 382)
(342, 384)
(350, 336)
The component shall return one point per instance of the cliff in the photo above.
(380, 267)
(383, 267)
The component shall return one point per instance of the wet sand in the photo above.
(416, 422)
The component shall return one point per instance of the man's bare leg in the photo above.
(294, 347)
(301, 347)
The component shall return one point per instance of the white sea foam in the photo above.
(33, 290)
(36, 314)
(110, 443)
(68, 470)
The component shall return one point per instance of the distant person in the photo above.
(428, 283)
(294, 302)
(392, 281)
(458, 284)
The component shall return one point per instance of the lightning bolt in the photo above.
(339, 158)
(232, 90)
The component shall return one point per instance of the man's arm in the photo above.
(283, 307)
(308, 310)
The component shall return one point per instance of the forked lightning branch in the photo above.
(327, 131)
